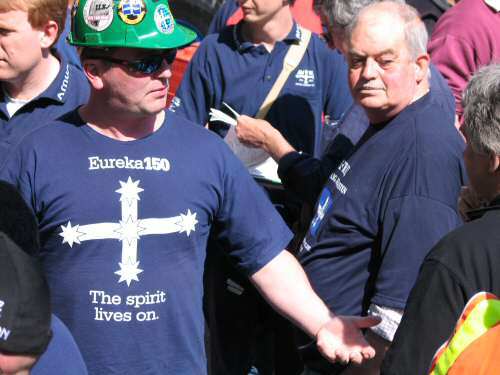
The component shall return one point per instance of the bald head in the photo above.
(398, 17)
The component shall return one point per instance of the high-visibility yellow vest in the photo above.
(474, 347)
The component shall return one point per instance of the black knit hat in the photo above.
(24, 302)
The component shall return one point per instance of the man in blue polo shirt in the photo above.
(393, 195)
(126, 213)
(37, 83)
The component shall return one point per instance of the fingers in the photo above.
(368, 353)
(357, 357)
(341, 339)
(342, 356)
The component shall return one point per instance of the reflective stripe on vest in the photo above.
(481, 313)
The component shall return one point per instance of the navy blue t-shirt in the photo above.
(383, 208)
(124, 227)
(62, 355)
(69, 90)
(225, 68)
(305, 175)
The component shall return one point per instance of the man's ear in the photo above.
(93, 69)
(494, 163)
(48, 34)
(422, 66)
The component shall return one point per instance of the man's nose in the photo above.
(370, 69)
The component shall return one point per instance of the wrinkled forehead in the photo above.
(376, 33)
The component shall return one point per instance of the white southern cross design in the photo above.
(129, 230)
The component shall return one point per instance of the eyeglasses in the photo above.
(148, 65)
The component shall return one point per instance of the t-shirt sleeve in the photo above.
(434, 305)
(247, 225)
(193, 97)
(411, 226)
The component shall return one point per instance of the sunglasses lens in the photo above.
(148, 65)
(152, 64)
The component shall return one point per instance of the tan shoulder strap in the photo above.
(290, 63)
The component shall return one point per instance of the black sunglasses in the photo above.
(147, 65)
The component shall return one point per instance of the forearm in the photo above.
(276, 145)
(285, 285)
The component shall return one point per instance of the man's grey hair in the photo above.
(416, 36)
(481, 102)
(341, 13)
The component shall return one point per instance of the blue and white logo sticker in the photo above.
(164, 20)
(98, 14)
(131, 11)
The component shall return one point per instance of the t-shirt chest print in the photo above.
(129, 229)
(325, 202)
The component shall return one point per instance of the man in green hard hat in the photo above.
(126, 196)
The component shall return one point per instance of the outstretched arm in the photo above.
(285, 285)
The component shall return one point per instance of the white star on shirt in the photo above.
(70, 234)
(188, 223)
(129, 191)
(128, 272)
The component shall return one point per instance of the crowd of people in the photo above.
(320, 197)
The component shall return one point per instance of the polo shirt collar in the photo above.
(293, 37)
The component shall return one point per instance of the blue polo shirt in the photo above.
(226, 68)
(383, 208)
(69, 90)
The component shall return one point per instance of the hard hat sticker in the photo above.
(98, 14)
(164, 20)
(131, 11)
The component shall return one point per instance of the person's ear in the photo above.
(422, 67)
(93, 70)
(494, 163)
(48, 34)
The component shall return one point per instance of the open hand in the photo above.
(341, 339)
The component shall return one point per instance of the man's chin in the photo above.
(7, 75)
(371, 102)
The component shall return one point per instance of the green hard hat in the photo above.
(127, 23)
